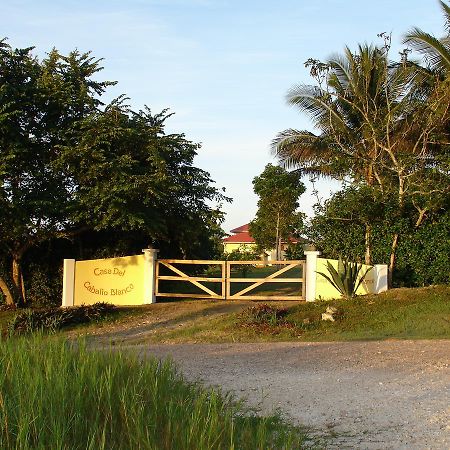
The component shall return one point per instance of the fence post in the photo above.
(150, 257)
(310, 276)
(381, 280)
(68, 282)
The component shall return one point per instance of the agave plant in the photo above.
(347, 278)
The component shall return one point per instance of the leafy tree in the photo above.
(375, 128)
(423, 253)
(70, 164)
(131, 175)
(40, 106)
(277, 218)
(344, 218)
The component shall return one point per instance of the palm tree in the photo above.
(432, 81)
(366, 110)
(356, 97)
(435, 51)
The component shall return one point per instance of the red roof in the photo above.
(243, 238)
(241, 229)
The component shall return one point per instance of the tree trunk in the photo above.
(394, 245)
(392, 258)
(277, 241)
(6, 292)
(368, 244)
(24, 296)
(17, 280)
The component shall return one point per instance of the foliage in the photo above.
(347, 278)
(346, 218)
(401, 313)
(277, 218)
(44, 284)
(53, 319)
(263, 314)
(57, 395)
(435, 51)
(294, 251)
(41, 103)
(423, 252)
(131, 175)
(243, 253)
(70, 164)
(379, 125)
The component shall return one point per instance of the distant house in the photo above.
(242, 239)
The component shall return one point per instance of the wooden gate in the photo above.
(231, 288)
(244, 293)
(198, 281)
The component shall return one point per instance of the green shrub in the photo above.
(262, 315)
(43, 285)
(53, 319)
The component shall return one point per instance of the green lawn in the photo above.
(422, 313)
(400, 313)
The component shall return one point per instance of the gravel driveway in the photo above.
(364, 395)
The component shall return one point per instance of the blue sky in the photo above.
(223, 66)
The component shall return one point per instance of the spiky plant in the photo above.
(347, 278)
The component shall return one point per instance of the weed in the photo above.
(53, 319)
(262, 315)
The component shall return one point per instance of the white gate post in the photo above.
(310, 276)
(68, 282)
(150, 257)
(381, 278)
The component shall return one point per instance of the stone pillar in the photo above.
(68, 282)
(381, 278)
(150, 257)
(310, 275)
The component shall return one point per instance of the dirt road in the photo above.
(363, 395)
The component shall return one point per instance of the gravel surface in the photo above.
(356, 395)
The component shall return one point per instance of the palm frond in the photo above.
(317, 104)
(436, 53)
(446, 11)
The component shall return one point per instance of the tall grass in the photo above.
(54, 395)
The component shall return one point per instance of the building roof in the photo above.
(240, 238)
(241, 229)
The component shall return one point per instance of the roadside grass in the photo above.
(54, 319)
(422, 313)
(60, 395)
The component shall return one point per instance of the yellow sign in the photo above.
(114, 280)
